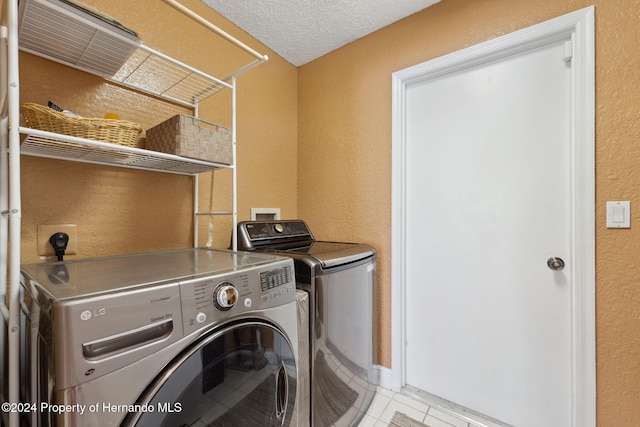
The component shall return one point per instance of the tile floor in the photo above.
(387, 402)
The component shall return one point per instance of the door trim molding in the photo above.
(579, 27)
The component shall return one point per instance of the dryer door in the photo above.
(241, 375)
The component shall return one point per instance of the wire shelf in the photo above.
(74, 37)
(62, 147)
(152, 72)
(50, 30)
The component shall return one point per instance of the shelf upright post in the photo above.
(234, 168)
(4, 203)
(13, 110)
(196, 186)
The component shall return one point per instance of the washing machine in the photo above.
(339, 278)
(194, 337)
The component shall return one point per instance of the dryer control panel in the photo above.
(215, 299)
(256, 234)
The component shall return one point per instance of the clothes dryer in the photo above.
(340, 280)
(188, 337)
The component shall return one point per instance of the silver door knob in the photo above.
(555, 263)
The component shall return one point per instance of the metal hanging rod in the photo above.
(188, 12)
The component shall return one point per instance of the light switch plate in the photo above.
(619, 214)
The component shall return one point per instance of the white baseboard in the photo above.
(383, 376)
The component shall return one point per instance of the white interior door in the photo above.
(489, 197)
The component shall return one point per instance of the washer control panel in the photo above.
(214, 299)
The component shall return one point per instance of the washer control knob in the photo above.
(278, 228)
(225, 296)
(201, 317)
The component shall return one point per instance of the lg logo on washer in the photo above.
(88, 314)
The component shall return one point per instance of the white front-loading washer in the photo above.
(193, 337)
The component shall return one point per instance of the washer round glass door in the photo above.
(241, 375)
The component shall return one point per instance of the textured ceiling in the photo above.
(303, 30)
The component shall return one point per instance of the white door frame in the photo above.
(579, 27)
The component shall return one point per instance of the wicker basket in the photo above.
(188, 136)
(119, 132)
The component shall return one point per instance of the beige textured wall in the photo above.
(344, 168)
(119, 211)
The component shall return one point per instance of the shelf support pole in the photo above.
(13, 98)
(234, 175)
